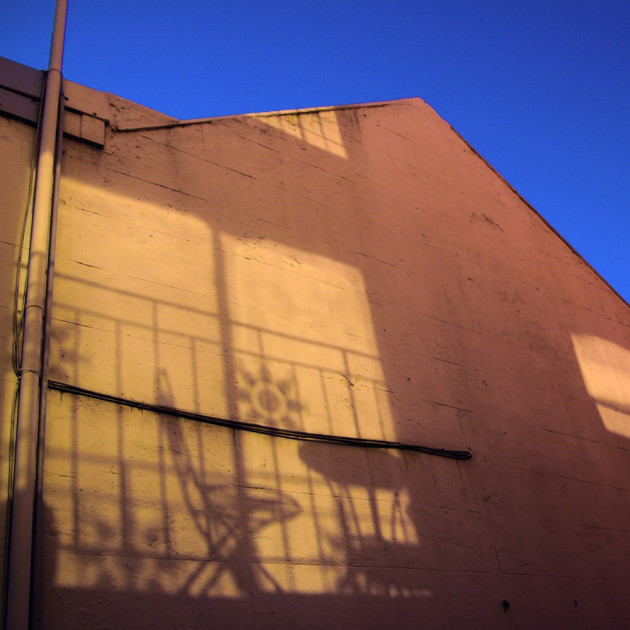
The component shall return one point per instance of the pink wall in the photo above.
(354, 271)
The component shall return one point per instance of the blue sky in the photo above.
(540, 89)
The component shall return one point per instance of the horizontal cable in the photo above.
(288, 434)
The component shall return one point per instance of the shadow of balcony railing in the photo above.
(156, 503)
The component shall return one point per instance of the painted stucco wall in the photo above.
(353, 271)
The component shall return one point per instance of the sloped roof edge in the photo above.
(281, 112)
(23, 82)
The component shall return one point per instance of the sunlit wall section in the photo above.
(318, 128)
(605, 368)
(208, 512)
(305, 354)
(16, 154)
(138, 502)
(305, 358)
(149, 504)
(135, 298)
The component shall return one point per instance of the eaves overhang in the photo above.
(21, 92)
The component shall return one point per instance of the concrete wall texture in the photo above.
(355, 271)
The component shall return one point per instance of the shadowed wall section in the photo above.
(347, 271)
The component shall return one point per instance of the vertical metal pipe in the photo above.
(40, 508)
(24, 485)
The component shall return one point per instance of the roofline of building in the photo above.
(87, 115)
(280, 112)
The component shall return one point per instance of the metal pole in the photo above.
(24, 485)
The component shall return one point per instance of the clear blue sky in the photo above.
(540, 89)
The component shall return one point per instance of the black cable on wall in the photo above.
(240, 425)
